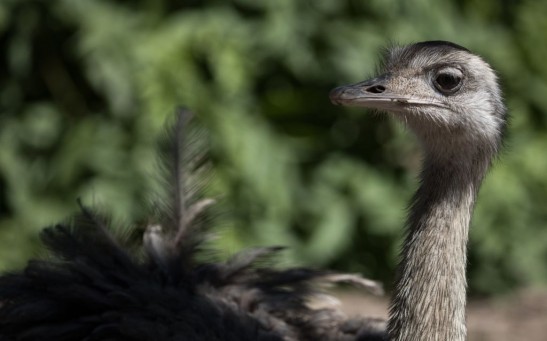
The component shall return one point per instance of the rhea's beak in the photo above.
(373, 93)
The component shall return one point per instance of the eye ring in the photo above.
(449, 81)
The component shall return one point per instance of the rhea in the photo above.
(450, 99)
(98, 285)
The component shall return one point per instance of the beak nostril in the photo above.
(376, 89)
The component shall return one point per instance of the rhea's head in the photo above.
(447, 95)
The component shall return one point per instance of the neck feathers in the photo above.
(430, 291)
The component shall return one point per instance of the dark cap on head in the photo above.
(439, 44)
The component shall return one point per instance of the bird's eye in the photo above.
(448, 82)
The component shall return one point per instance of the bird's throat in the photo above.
(430, 290)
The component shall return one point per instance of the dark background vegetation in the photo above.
(85, 87)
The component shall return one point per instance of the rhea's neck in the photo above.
(430, 291)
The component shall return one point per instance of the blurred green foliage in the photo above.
(85, 87)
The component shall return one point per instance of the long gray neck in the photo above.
(430, 291)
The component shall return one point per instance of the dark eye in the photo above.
(448, 82)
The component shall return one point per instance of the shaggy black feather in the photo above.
(96, 286)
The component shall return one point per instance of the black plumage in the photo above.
(97, 285)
